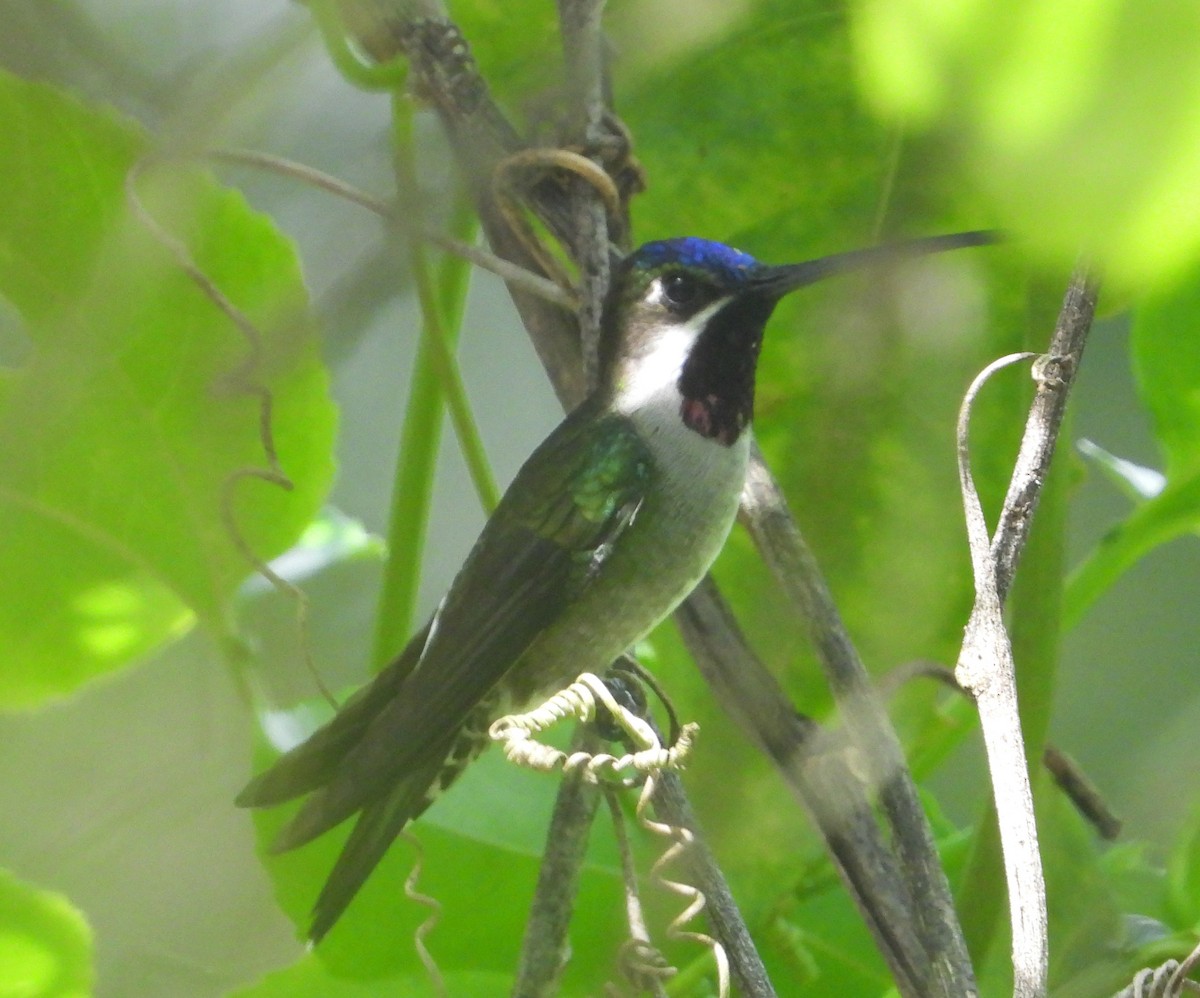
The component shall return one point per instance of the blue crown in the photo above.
(703, 254)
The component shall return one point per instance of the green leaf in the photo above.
(1171, 514)
(1165, 345)
(516, 43)
(1077, 121)
(781, 146)
(1166, 360)
(136, 407)
(1183, 878)
(1102, 956)
(1084, 913)
(45, 944)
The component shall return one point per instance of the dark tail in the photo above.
(312, 764)
(311, 768)
(376, 828)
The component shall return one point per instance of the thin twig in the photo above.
(1088, 801)
(544, 949)
(579, 24)
(672, 807)
(894, 679)
(1055, 374)
(511, 273)
(1065, 771)
(813, 767)
(985, 669)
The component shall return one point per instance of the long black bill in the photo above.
(775, 282)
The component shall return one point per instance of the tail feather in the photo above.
(336, 790)
(313, 763)
(374, 831)
(342, 796)
(380, 822)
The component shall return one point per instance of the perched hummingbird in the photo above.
(611, 522)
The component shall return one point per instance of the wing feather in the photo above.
(549, 538)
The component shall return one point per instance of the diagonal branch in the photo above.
(671, 806)
(814, 768)
(781, 545)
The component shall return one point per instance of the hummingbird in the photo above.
(607, 527)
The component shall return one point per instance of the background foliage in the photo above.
(788, 128)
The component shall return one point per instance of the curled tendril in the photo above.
(517, 173)
(1169, 980)
(244, 379)
(641, 963)
(682, 839)
(582, 700)
(435, 914)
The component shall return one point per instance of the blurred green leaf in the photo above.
(1165, 345)
(1166, 361)
(1138, 879)
(1078, 121)
(1084, 911)
(752, 133)
(1174, 512)
(1135, 885)
(137, 404)
(1183, 878)
(516, 43)
(45, 944)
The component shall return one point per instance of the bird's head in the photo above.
(684, 322)
(682, 327)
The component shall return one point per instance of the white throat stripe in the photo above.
(656, 372)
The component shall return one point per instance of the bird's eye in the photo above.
(681, 290)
